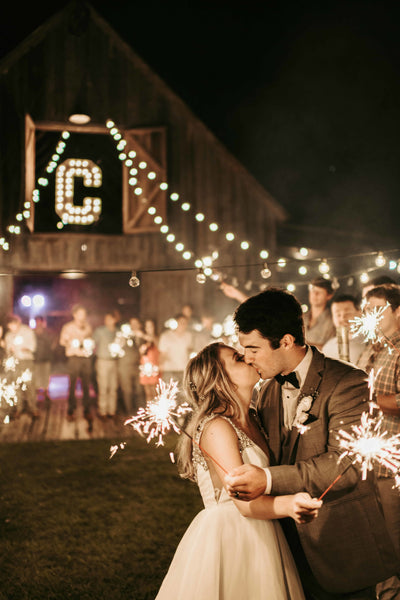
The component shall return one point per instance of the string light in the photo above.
(265, 272)
(323, 267)
(134, 280)
(201, 277)
(380, 260)
(70, 214)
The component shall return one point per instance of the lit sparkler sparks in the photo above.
(114, 449)
(158, 418)
(148, 369)
(368, 324)
(368, 444)
(9, 363)
(9, 388)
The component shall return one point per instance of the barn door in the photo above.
(143, 198)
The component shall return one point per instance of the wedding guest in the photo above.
(378, 280)
(344, 345)
(306, 400)
(20, 343)
(175, 346)
(385, 360)
(76, 338)
(45, 347)
(192, 320)
(106, 367)
(204, 336)
(149, 360)
(318, 322)
(128, 365)
(232, 550)
(2, 349)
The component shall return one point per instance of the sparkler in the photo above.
(9, 389)
(10, 363)
(158, 418)
(148, 369)
(367, 444)
(368, 324)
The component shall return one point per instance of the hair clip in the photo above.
(192, 386)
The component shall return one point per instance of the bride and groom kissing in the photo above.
(261, 471)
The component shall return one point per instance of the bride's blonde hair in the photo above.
(209, 390)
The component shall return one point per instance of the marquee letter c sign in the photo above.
(70, 213)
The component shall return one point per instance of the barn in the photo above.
(105, 171)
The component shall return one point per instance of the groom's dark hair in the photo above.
(273, 313)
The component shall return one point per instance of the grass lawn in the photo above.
(76, 525)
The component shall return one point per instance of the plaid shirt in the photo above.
(386, 365)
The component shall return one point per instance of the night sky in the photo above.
(305, 94)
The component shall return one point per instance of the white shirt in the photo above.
(290, 395)
(175, 349)
(356, 347)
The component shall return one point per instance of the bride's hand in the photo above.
(304, 508)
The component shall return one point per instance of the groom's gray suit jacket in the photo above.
(347, 547)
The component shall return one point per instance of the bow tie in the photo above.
(290, 378)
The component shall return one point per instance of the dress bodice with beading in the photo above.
(251, 454)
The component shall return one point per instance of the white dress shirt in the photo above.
(289, 395)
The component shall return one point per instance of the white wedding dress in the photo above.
(226, 556)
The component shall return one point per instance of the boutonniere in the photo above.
(302, 415)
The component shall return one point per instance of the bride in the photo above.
(232, 550)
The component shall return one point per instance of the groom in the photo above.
(346, 550)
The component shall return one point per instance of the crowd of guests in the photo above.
(118, 362)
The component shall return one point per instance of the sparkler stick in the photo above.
(335, 480)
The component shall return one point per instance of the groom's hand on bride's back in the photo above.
(246, 482)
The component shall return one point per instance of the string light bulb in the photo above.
(323, 266)
(265, 272)
(380, 260)
(134, 281)
(201, 277)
